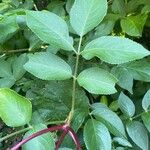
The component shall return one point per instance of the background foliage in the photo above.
(40, 44)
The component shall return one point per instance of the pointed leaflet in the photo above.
(138, 134)
(139, 70)
(146, 120)
(97, 81)
(122, 141)
(42, 142)
(114, 50)
(49, 28)
(48, 66)
(8, 27)
(124, 76)
(126, 105)
(133, 25)
(15, 110)
(118, 7)
(96, 136)
(146, 100)
(109, 119)
(87, 14)
(18, 70)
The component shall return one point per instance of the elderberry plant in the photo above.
(77, 72)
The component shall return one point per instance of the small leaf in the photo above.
(118, 7)
(97, 81)
(42, 142)
(49, 28)
(18, 70)
(96, 136)
(139, 70)
(146, 120)
(133, 25)
(8, 27)
(15, 110)
(146, 101)
(5, 68)
(124, 76)
(69, 5)
(105, 28)
(87, 14)
(109, 119)
(126, 105)
(138, 134)
(79, 116)
(121, 141)
(114, 50)
(7, 82)
(48, 66)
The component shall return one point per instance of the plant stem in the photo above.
(74, 137)
(55, 122)
(14, 51)
(60, 140)
(74, 82)
(16, 147)
(64, 128)
(15, 133)
(139, 115)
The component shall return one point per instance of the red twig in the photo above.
(64, 128)
(60, 140)
(37, 134)
(74, 137)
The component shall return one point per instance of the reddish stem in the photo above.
(38, 134)
(74, 137)
(64, 128)
(60, 140)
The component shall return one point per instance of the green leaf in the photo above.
(138, 134)
(18, 70)
(5, 68)
(118, 7)
(87, 14)
(120, 148)
(97, 81)
(33, 40)
(122, 142)
(57, 7)
(96, 136)
(105, 28)
(124, 76)
(109, 119)
(146, 120)
(7, 82)
(133, 25)
(8, 27)
(69, 5)
(114, 50)
(114, 106)
(146, 101)
(4, 7)
(49, 28)
(6, 77)
(79, 117)
(139, 70)
(42, 142)
(126, 105)
(146, 9)
(48, 66)
(50, 99)
(15, 110)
